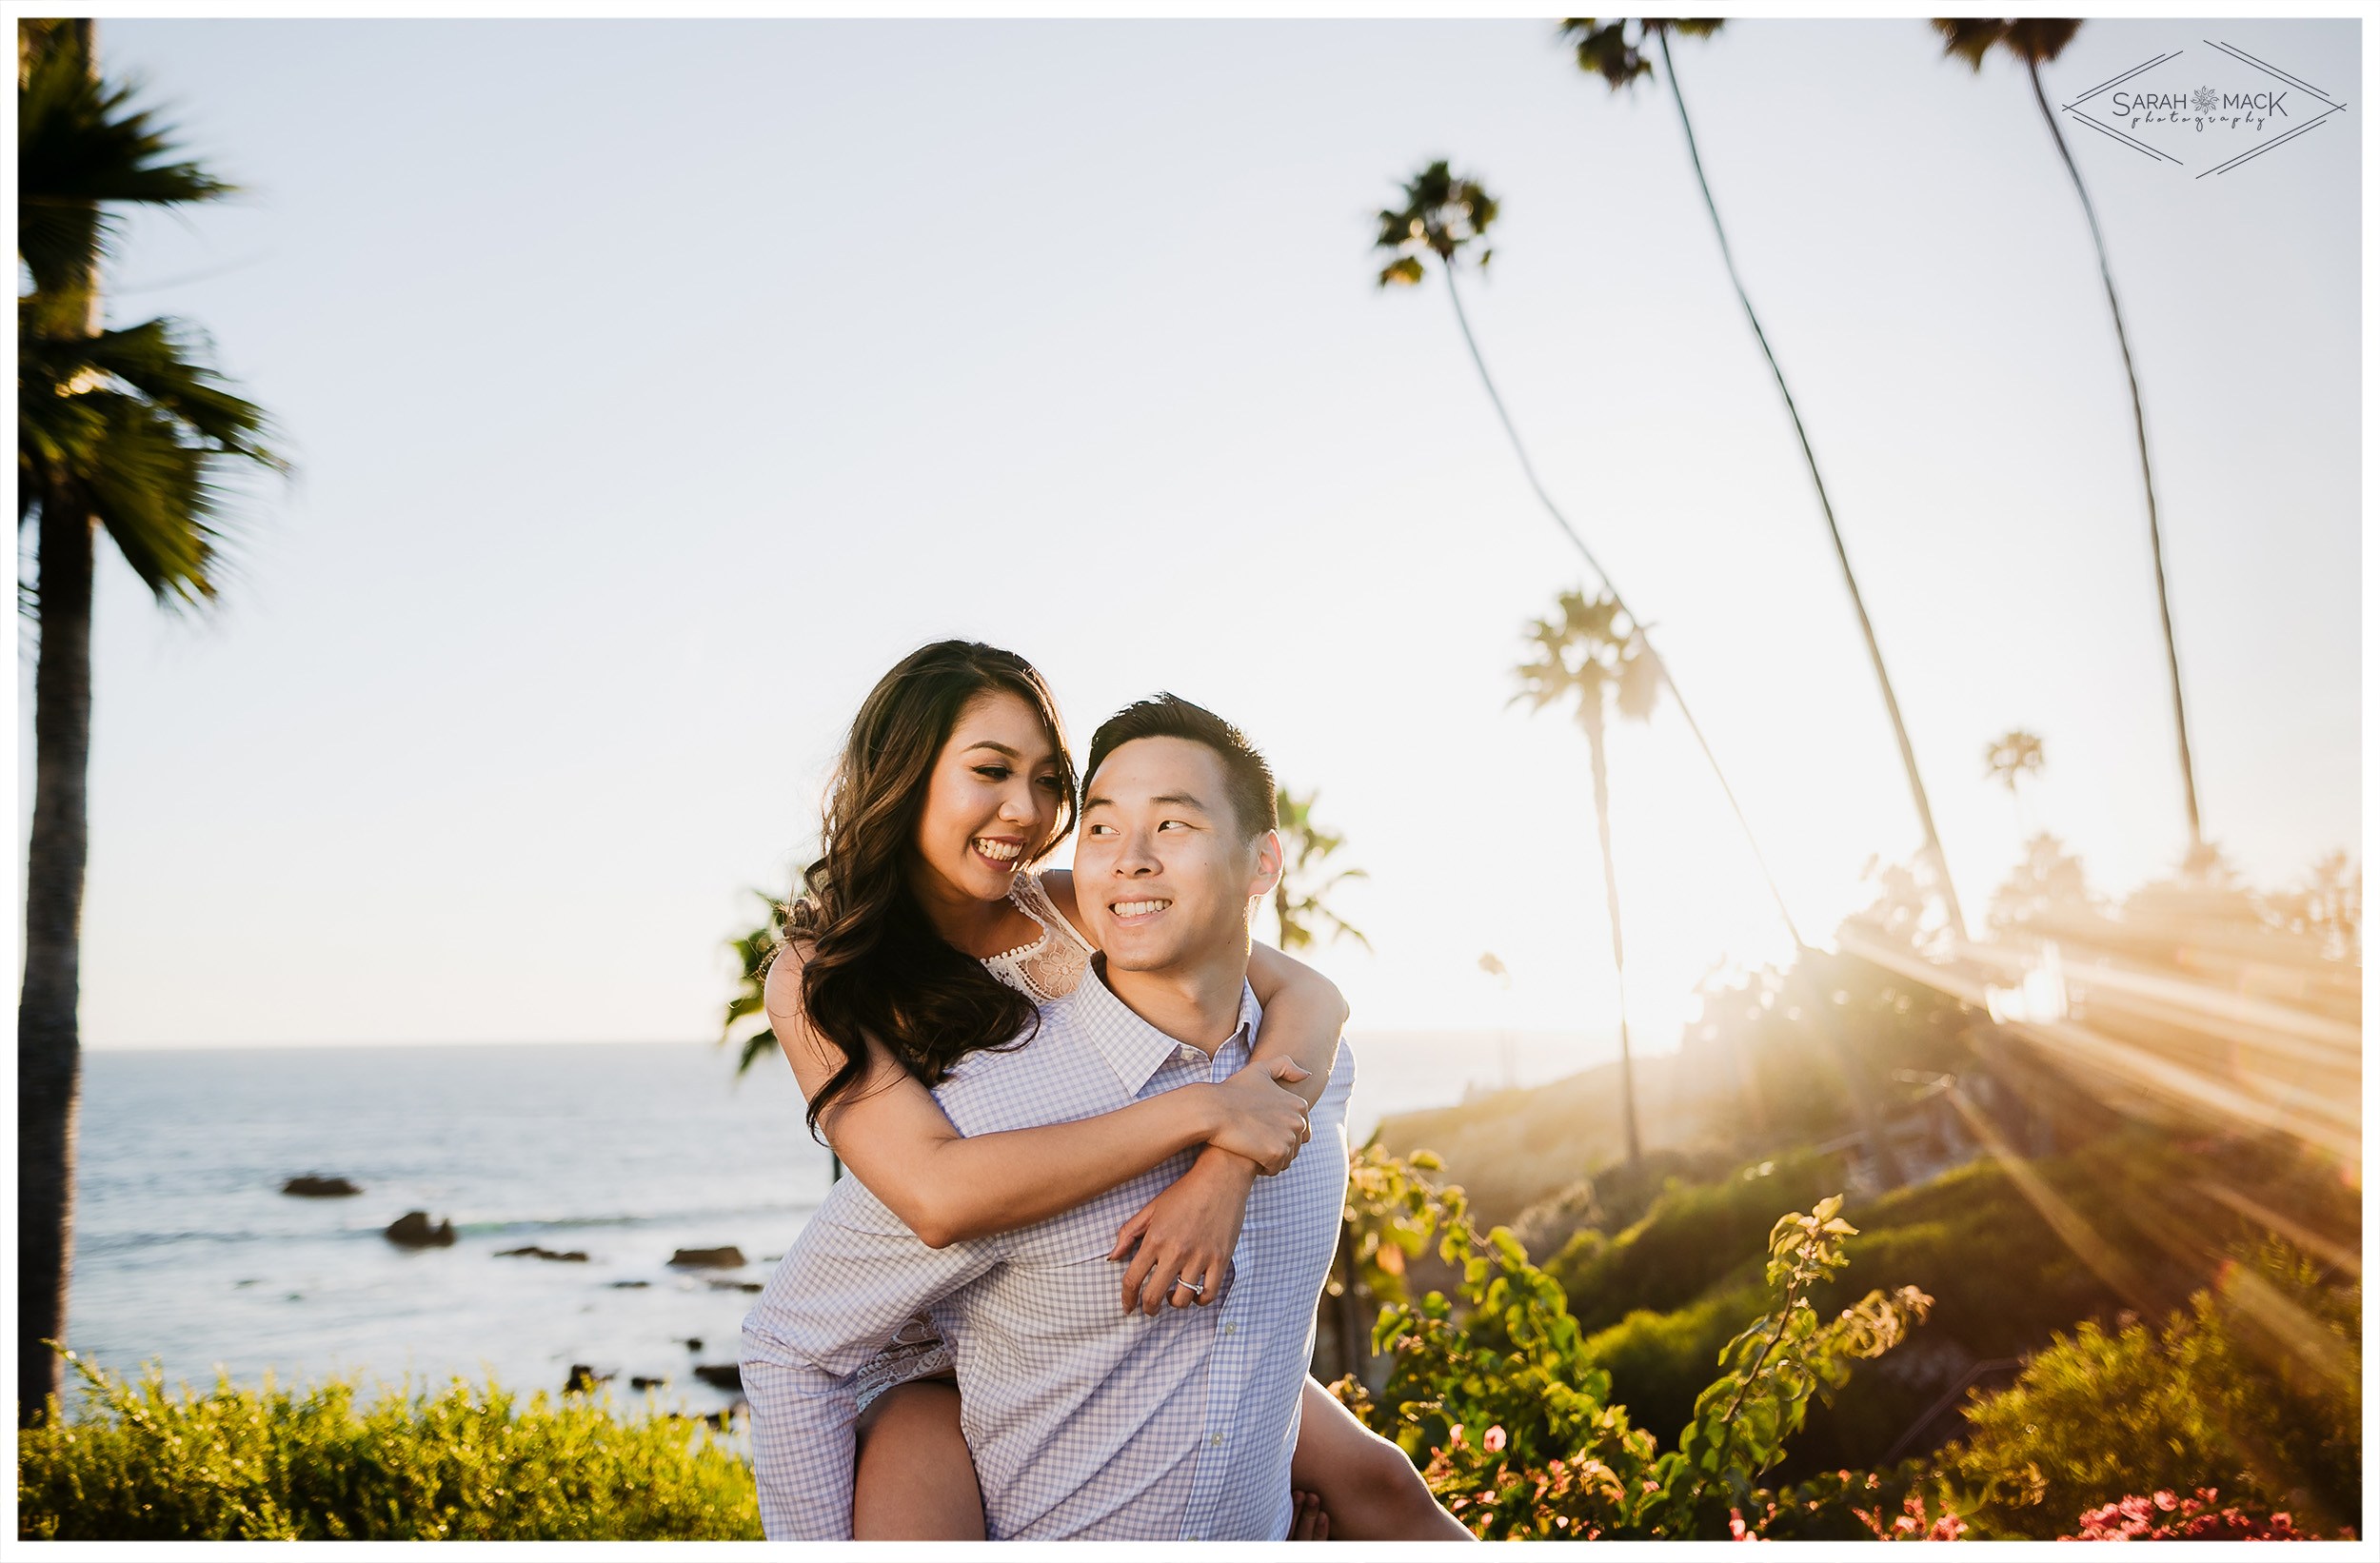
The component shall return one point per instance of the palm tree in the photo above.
(1591, 655)
(2036, 41)
(124, 430)
(1442, 217)
(754, 950)
(1604, 49)
(1307, 877)
(2010, 758)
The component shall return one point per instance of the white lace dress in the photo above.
(1047, 969)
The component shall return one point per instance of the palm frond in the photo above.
(2034, 40)
(753, 950)
(1444, 215)
(81, 148)
(138, 427)
(165, 361)
(1585, 654)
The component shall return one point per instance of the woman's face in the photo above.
(992, 799)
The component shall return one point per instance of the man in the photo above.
(1085, 1421)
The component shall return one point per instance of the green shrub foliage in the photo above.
(2252, 1389)
(1500, 1402)
(139, 1463)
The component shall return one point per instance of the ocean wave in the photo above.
(511, 1226)
(93, 1244)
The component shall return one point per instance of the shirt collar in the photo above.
(1134, 1049)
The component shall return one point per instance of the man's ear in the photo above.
(1268, 864)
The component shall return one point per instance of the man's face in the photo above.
(1162, 873)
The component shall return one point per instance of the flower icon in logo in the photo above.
(2203, 100)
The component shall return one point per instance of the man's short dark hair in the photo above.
(1247, 780)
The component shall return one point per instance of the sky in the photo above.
(653, 386)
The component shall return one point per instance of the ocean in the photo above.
(188, 1255)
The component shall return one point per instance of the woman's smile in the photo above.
(1001, 852)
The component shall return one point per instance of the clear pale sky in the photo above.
(654, 386)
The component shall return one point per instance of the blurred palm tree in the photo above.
(124, 432)
(1445, 215)
(1592, 655)
(1307, 876)
(1606, 49)
(2036, 41)
(2011, 758)
(753, 952)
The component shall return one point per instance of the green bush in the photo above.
(1693, 1236)
(1492, 1393)
(1659, 1362)
(2003, 1280)
(2253, 1389)
(141, 1464)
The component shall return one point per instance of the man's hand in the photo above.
(1187, 1233)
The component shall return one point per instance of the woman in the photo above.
(924, 934)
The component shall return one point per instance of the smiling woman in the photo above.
(910, 799)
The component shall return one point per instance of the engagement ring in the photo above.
(1194, 1286)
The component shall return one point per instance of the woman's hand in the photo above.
(1187, 1233)
(1262, 1118)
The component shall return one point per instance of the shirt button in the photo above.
(1215, 1440)
(1190, 1054)
(1230, 1329)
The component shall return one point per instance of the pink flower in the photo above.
(1735, 1525)
(1494, 1441)
(2165, 1501)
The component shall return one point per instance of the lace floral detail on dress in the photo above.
(1049, 967)
(916, 1350)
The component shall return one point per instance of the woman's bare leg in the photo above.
(914, 1480)
(1368, 1488)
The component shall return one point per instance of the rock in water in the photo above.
(576, 1255)
(315, 1186)
(730, 1258)
(583, 1379)
(724, 1375)
(412, 1230)
(641, 1382)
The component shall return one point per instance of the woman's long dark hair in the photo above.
(877, 966)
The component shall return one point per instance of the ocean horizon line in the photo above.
(1357, 1034)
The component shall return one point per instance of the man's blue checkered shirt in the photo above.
(1085, 1420)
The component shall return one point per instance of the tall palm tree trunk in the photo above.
(2140, 434)
(48, 1032)
(1619, 955)
(1863, 1109)
(1875, 652)
(1520, 454)
(49, 1051)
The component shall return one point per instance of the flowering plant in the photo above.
(1508, 1414)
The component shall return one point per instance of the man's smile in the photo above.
(1136, 911)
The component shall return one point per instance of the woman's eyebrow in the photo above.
(1000, 748)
